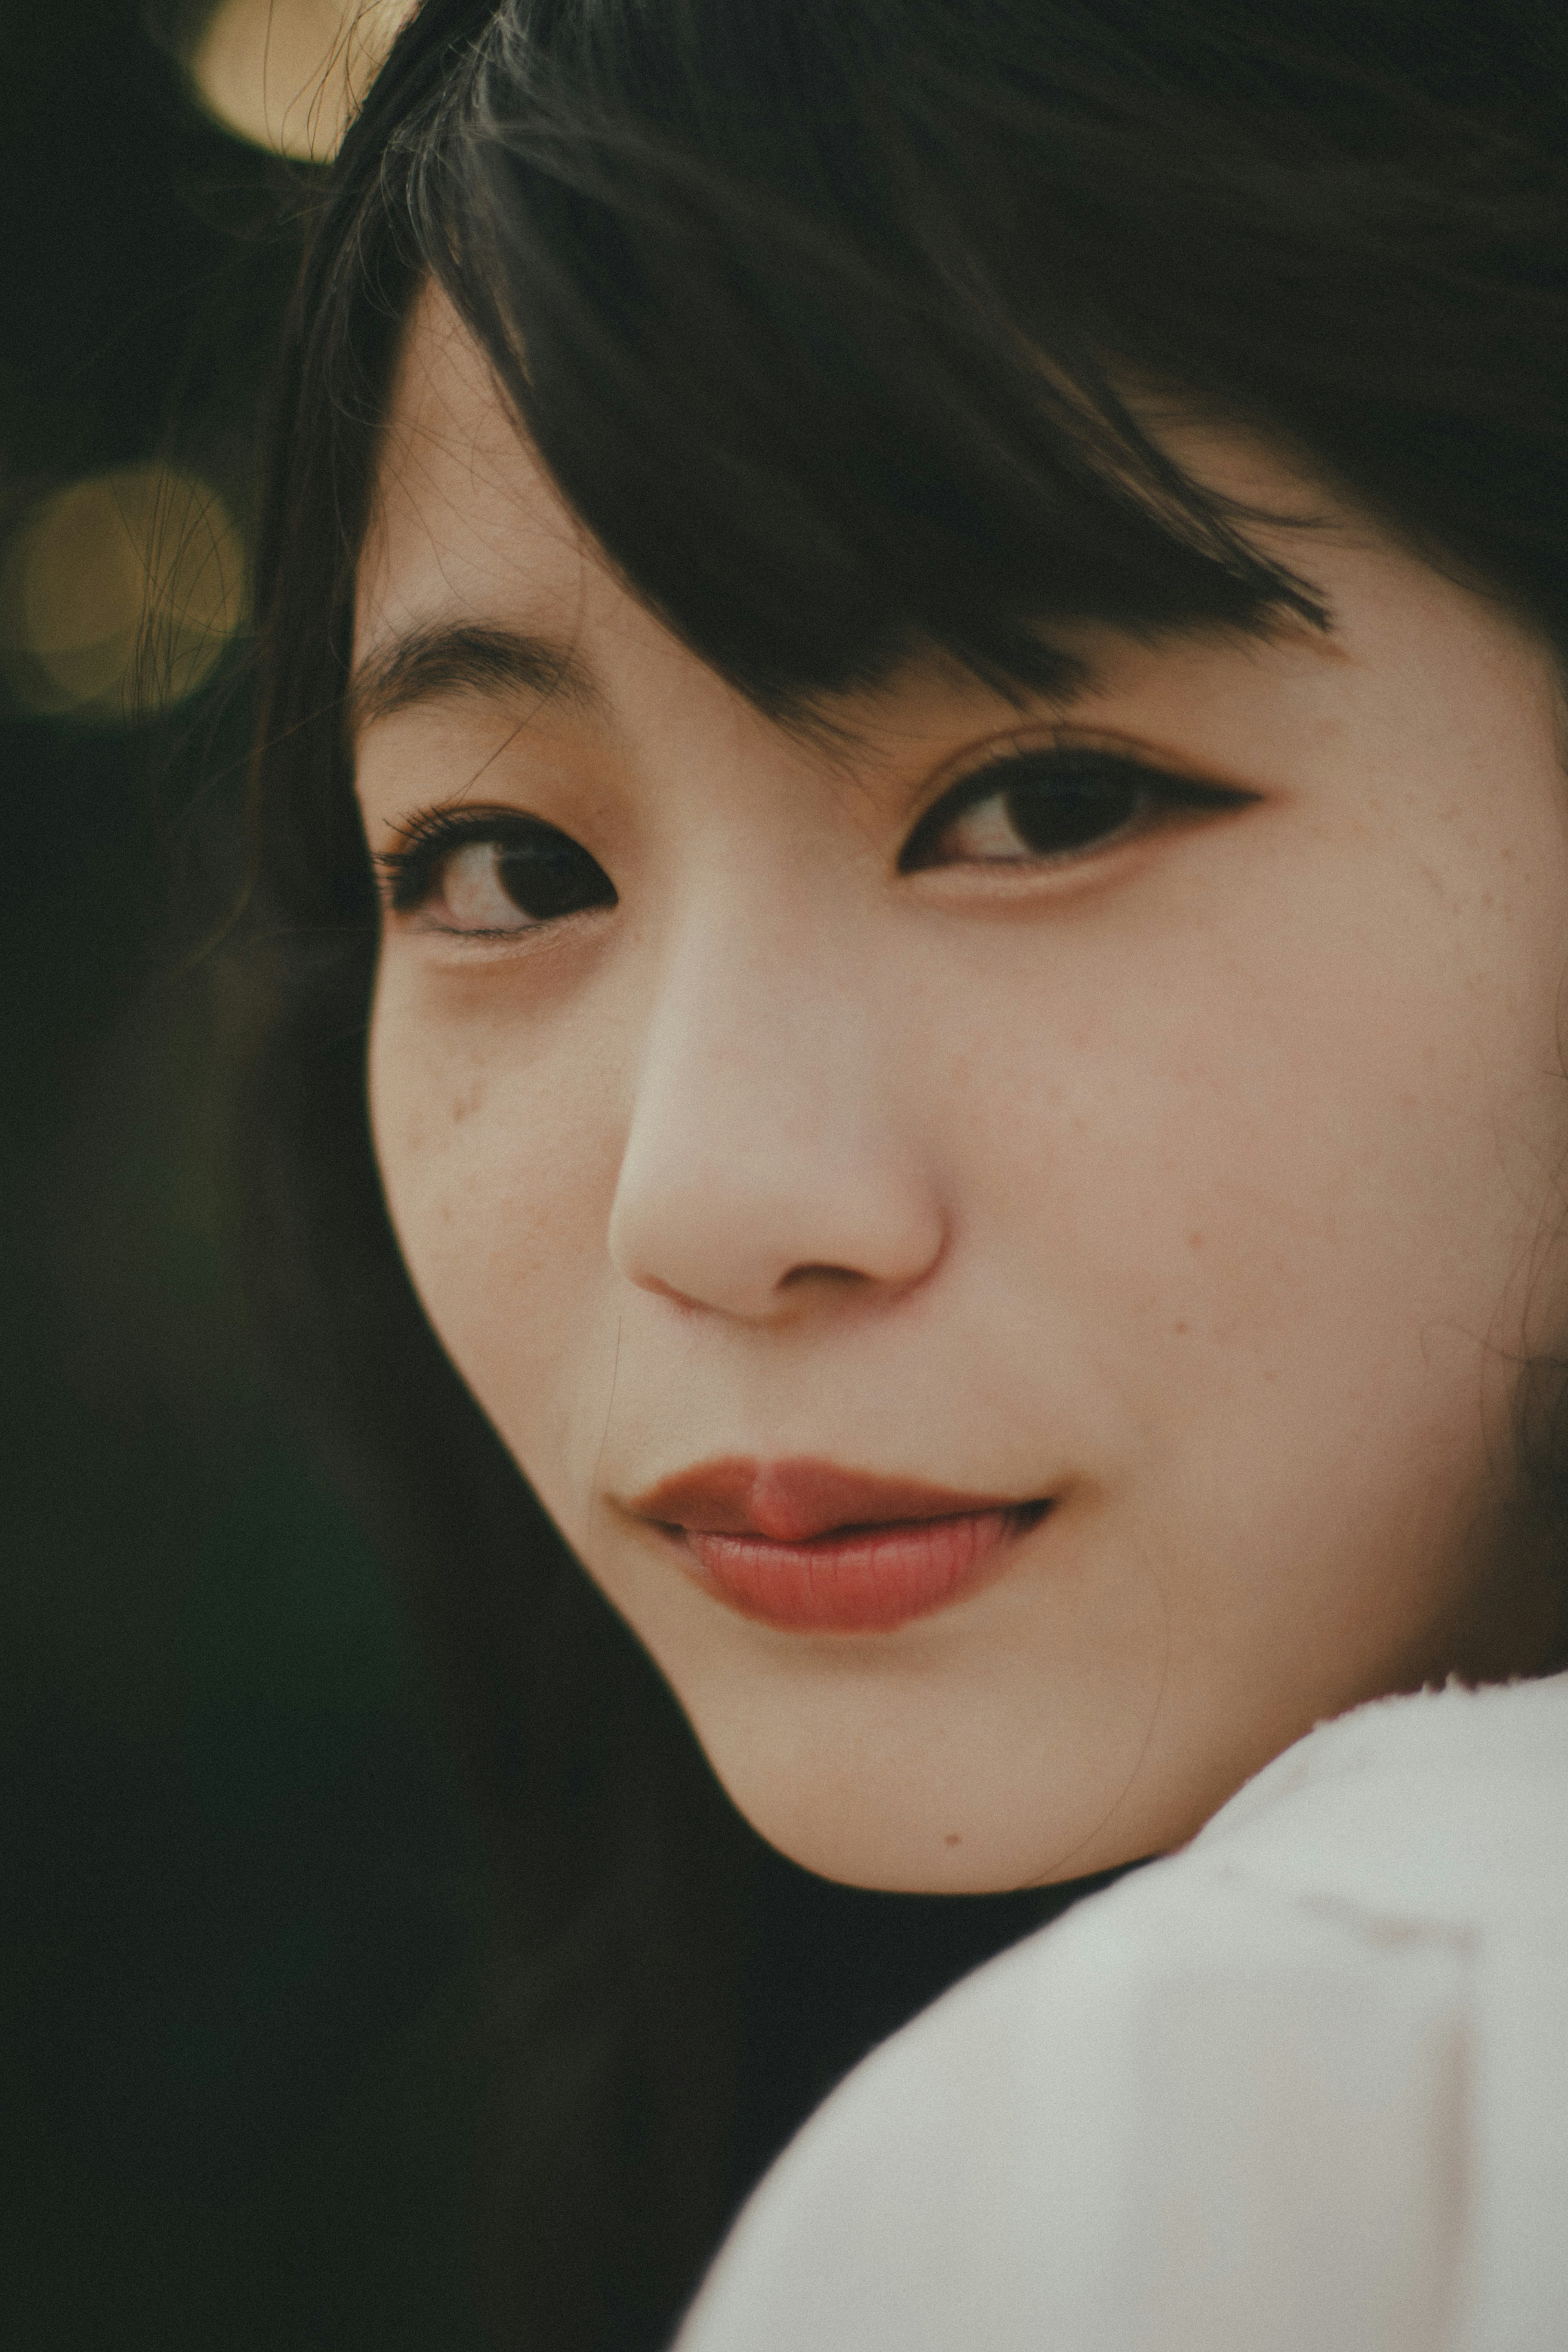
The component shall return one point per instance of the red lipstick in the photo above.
(812, 1548)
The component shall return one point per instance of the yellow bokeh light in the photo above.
(286, 74)
(117, 595)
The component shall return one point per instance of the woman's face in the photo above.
(1106, 1154)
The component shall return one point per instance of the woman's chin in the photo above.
(903, 1825)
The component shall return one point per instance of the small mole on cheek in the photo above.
(1195, 1241)
(953, 1838)
(1178, 1329)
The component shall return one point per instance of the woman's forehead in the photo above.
(462, 507)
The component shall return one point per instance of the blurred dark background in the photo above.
(238, 1901)
(243, 1915)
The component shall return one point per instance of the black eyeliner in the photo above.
(1165, 786)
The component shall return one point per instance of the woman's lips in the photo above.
(866, 1580)
(811, 1547)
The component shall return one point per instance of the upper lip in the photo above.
(794, 1501)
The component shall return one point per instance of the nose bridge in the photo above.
(765, 1137)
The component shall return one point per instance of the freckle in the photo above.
(1178, 1329)
(952, 1838)
(446, 1213)
(1195, 1241)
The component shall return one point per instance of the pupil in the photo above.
(545, 878)
(1067, 812)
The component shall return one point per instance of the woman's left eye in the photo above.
(1047, 807)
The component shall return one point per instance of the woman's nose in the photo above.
(767, 1145)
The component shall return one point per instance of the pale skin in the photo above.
(1206, 1181)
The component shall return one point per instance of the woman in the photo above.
(916, 645)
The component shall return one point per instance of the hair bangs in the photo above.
(739, 311)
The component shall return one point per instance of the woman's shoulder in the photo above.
(1376, 1803)
(1305, 2082)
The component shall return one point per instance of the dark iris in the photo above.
(1057, 811)
(1056, 803)
(545, 875)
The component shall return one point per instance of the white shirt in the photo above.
(1301, 2087)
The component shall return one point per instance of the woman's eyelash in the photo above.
(410, 873)
(1064, 801)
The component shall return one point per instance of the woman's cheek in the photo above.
(1276, 1182)
(486, 1159)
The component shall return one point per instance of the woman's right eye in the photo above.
(483, 879)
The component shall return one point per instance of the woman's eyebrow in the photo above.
(465, 658)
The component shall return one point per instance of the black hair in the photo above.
(839, 324)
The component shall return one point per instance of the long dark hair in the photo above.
(834, 321)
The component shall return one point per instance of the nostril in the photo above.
(836, 1273)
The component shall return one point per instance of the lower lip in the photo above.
(858, 1580)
